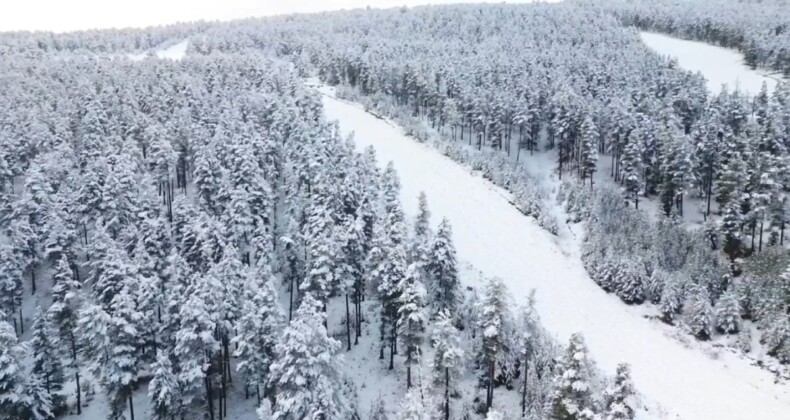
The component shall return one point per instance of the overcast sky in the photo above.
(69, 15)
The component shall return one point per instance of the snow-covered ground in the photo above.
(677, 379)
(718, 65)
(175, 51)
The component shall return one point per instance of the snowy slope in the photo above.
(493, 236)
(718, 65)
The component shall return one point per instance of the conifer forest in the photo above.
(539, 210)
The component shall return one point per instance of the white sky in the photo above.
(69, 15)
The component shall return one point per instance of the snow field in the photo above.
(720, 66)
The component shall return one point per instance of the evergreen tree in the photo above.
(63, 314)
(588, 154)
(46, 361)
(257, 333)
(11, 375)
(443, 271)
(411, 317)
(11, 288)
(447, 359)
(413, 406)
(422, 232)
(493, 323)
(572, 397)
(728, 312)
(619, 397)
(164, 390)
(700, 312)
(306, 373)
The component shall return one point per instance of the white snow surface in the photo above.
(719, 65)
(676, 379)
(175, 52)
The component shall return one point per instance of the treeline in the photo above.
(759, 29)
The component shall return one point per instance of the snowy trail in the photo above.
(493, 236)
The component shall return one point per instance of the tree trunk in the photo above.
(524, 391)
(131, 406)
(446, 393)
(348, 324)
(33, 279)
(79, 392)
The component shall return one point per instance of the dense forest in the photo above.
(195, 233)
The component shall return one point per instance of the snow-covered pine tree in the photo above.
(493, 317)
(619, 398)
(164, 389)
(46, 361)
(11, 375)
(257, 332)
(11, 287)
(411, 317)
(671, 299)
(195, 346)
(588, 154)
(413, 406)
(422, 232)
(63, 314)
(442, 269)
(572, 397)
(700, 312)
(447, 358)
(632, 169)
(306, 374)
(728, 312)
(36, 402)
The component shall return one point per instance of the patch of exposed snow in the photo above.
(678, 381)
(719, 65)
(174, 52)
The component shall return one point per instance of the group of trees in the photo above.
(158, 210)
(758, 28)
(603, 93)
(153, 193)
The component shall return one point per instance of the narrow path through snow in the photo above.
(497, 239)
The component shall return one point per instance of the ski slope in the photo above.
(677, 380)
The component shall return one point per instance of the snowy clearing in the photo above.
(720, 66)
(175, 51)
(677, 379)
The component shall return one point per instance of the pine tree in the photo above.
(572, 397)
(195, 346)
(443, 271)
(588, 154)
(728, 312)
(700, 312)
(164, 390)
(671, 300)
(36, 402)
(63, 314)
(632, 168)
(257, 334)
(46, 361)
(306, 373)
(413, 406)
(492, 322)
(411, 317)
(11, 288)
(422, 232)
(11, 374)
(448, 357)
(619, 397)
